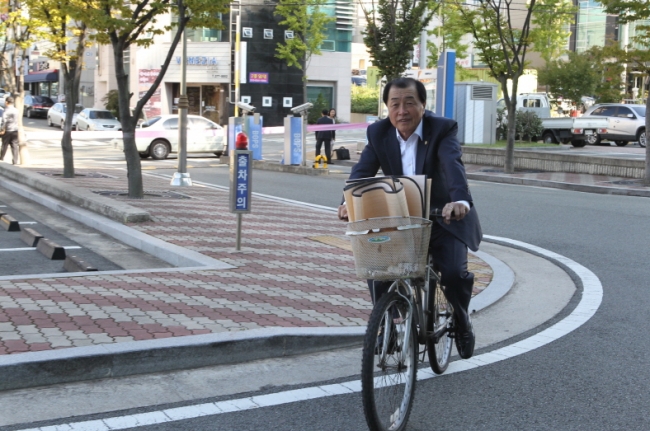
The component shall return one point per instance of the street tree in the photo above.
(572, 78)
(124, 24)
(450, 34)
(551, 28)
(502, 45)
(308, 22)
(20, 31)
(608, 61)
(69, 40)
(393, 28)
(638, 52)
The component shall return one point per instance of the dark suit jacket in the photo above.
(438, 157)
(326, 135)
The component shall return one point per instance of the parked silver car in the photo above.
(97, 119)
(56, 115)
(626, 123)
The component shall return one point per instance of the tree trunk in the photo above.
(511, 106)
(133, 165)
(72, 75)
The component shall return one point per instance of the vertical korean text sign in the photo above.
(293, 140)
(241, 181)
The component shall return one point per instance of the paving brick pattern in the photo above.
(294, 270)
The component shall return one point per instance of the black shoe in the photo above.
(465, 342)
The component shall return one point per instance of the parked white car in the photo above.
(56, 115)
(158, 136)
(97, 120)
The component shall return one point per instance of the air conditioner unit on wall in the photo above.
(475, 110)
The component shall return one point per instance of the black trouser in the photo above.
(450, 257)
(10, 138)
(328, 148)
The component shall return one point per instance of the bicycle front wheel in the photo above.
(439, 342)
(389, 364)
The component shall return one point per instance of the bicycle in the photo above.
(413, 313)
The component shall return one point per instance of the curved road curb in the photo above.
(591, 298)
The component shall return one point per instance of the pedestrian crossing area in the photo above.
(56, 143)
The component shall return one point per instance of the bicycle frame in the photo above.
(417, 295)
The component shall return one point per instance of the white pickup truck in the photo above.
(579, 131)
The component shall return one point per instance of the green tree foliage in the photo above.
(551, 28)
(502, 47)
(18, 32)
(608, 61)
(68, 41)
(126, 23)
(638, 53)
(316, 111)
(112, 102)
(449, 32)
(528, 126)
(309, 25)
(571, 79)
(393, 28)
(365, 100)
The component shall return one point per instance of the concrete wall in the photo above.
(553, 162)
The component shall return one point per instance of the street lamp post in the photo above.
(182, 177)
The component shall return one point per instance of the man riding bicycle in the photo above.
(414, 141)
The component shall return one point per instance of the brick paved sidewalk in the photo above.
(295, 269)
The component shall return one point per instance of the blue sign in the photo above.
(445, 84)
(295, 155)
(241, 183)
(255, 137)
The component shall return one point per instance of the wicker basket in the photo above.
(388, 248)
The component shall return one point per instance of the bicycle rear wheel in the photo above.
(439, 322)
(389, 364)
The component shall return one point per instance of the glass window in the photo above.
(623, 112)
(640, 110)
(605, 111)
(171, 124)
(203, 34)
(201, 124)
(150, 121)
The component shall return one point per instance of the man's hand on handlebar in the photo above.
(453, 211)
(343, 212)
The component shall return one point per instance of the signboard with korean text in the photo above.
(241, 170)
(258, 77)
(255, 124)
(292, 140)
(146, 77)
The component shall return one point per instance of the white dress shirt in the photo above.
(408, 148)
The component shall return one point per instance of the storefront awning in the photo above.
(51, 75)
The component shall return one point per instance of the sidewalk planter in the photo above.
(553, 162)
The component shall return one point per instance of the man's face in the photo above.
(405, 110)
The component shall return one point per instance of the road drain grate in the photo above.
(151, 194)
(88, 175)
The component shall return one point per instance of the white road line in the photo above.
(591, 298)
(70, 247)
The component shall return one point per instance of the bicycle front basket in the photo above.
(388, 248)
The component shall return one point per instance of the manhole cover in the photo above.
(88, 175)
(161, 194)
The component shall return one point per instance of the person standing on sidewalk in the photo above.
(414, 141)
(10, 125)
(325, 136)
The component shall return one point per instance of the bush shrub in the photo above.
(528, 125)
(364, 100)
